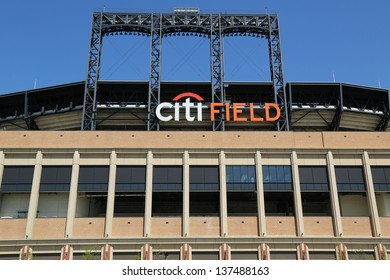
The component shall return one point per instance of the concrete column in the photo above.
(260, 195)
(186, 194)
(372, 205)
(146, 252)
(303, 252)
(297, 194)
(110, 195)
(185, 252)
(107, 253)
(341, 252)
(381, 252)
(67, 253)
(148, 194)
(225, 252)
(34, 196)
(223, 194)
(72, 203)
(25, 253)
(2, 158)
(334, 196)
(264, 253)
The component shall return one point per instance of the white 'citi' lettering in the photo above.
(187, 105)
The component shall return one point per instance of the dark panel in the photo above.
(350, 178)
(244, 255)
(202, 204)
(17, 178)
(315, 255)
(279, 203)
(166, 256)
(316, 204)
(204, 175)
(358, 255)
(130, 178)
(167, 204)
(127, 256)
(277, 177)
(242, 203)
(129, 205)
(381, 177)
(205, 255)
(47, 256)
(93, 178)
(56, 178)
(240, 177)
(275, 255)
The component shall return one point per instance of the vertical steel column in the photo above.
(216, 63)
(276, 67)
(89, 109)
(155, 69)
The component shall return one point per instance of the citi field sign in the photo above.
(193, 110)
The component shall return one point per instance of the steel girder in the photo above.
(276, 68)
(154, 79)
(214, 26)
(90, 93)
(217, 71)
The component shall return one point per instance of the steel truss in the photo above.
(157, 26)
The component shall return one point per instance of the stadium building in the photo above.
(194, 170)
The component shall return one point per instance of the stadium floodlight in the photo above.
(186, 10)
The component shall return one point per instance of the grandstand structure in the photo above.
(194, 170)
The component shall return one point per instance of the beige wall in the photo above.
(243, 226)
(190, 140)
(167, 226)
(281, 226)
(49, 228)
(318, 226)
(88, 227)
(128, 227)
(204, 226)
(385, 225)
(12, 228)
(356, 226)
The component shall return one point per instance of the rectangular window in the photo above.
(130, 178)
(204, 191)
(55, 178)
(313, 178)
(240, 177)
(352, 191)
(167, 178)
(314, 191)
(17, 179)
(204, 178)
(381, 178)
(277, 178)
(167, 199)
(93, 179)
(279, 203)
(350, 178)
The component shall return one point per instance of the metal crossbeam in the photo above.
(215, 26)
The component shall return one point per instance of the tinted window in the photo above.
(17, 178)
(240, 177)
(381, 178)
(204, 178)
(313, 178)
(277, 177)
(350, 178)
(93, 178)
(56, 178)
(167, 178)
(130, 178)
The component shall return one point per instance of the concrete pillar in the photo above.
(67, 253)
(26, 253)
(372, 205)
(260, 195)
(34, 196)
(334, 197)
(110, 195)
(107, 253)
(2, 158)
(381, 252)
(72, 203)
(297, 194)
(341, 252)
(225, 252)
(186, 252)
(223, 194)
(303, 252)
(146, 252)
(186, 194)
(264, 253)
(148, 194)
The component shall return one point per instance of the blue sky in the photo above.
(48, 41)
